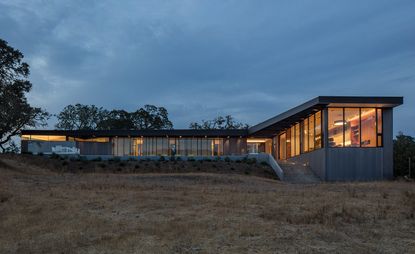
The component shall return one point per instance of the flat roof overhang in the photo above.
(139, 133)
(274, 125)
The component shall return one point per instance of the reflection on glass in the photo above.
(352, 127)
(368, 119)
(336, 125)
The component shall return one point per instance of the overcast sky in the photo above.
(199, 59)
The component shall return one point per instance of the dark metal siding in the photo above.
(354, 164)
(94, 148)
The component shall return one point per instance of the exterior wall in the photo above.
(315, 159)
(94, 148)
(388, 143)
(354, 164)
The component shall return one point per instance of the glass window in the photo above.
(47, 138)
(352, 127)
(292, 141)
(281, 143)
(317, 138)
(305, 135)
(336, 125)
(297, 139)
(368, 121)
(288, 143)
(311, 133)
(379, 127)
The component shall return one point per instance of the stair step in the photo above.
(298, 173)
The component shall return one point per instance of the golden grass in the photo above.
(46, 212)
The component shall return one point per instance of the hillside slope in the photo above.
(45, 210)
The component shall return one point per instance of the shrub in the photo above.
(172, 158)
(75, 158)
(162, 158)
(179, 158)
(238, 161)
(264, 163)
(83, 158)
(54, 156)
(207, 159)
(122, 164)
(97, 159)
(40, 154)
(191, 159)
(251, 161)
(117, 159)
(227, 159)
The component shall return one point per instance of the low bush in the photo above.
(191, 159)
(162, 158)
(97, 159)
(55, 156)
(251, 161)
(227, 159)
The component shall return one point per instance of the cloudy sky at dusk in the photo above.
(200, 59)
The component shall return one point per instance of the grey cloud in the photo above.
(252, 59)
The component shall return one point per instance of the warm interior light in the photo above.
(339, 122)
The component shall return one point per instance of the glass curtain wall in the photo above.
(355, 127)
(302, 137)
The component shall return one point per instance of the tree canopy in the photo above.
(403, 149)
(220, 122)
(90, 117)
(15, 111)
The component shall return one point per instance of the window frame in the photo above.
(360, 128)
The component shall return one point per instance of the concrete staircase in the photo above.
(298, 173)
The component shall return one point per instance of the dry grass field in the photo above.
(46, 210)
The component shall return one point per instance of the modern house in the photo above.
(339, 138)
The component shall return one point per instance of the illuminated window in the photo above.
(46, 138)
(293, 141)
(368, 121)
(318, 136)
(25, 137)
(305, 135)
(336, 125)
(100, 140)
(352, 127)
(358, 127)
(282, 146)
(311, 133)
(288, 143)
(297, 139)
